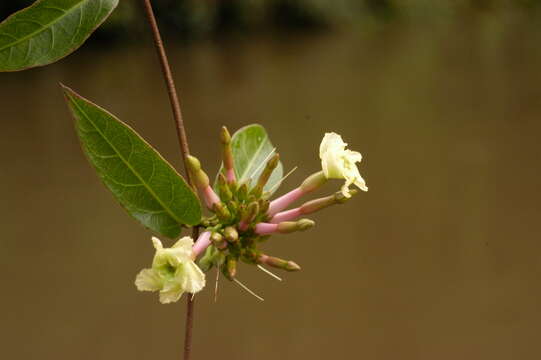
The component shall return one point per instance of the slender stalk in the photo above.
(170, 83)
(184, 148)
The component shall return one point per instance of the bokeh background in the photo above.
(439, 260)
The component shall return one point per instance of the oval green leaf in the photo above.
(146, 185)
(251, 150)
(49, 30)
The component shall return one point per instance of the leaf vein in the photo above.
(32, 34)
(148, 188)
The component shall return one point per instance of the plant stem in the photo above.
(189, 314)
(184, 148)
(170, 83)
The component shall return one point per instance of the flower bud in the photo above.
(278, 263)
(291, 226)
(201, 181)
(230, 268)
(233, 207)
(231, 234)
(199, 176)
(242, 193)
(251, 212)
(265, 175)
(225, 191)
(218, 241)
(227, 154)
(284, 227)
(313, 182)
(263, 206)
(221, 211)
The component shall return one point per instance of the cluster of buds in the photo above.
(244, 217)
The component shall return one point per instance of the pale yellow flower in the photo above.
(173, 271)
(339, 163)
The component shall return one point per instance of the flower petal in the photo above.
(331, 142)
(173, 271)
(157, 243)
(148, 280)
(361, 184)
(183, 248)
(194, 278)
(170, 296)
(339, 163)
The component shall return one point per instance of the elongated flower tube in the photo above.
(310, 184)
(173, 271)
(202, 182)
(202, 243)
(339, 163)
(265, 175)
(278, 263)
(311, 207)
(285, 227)
(227, 154)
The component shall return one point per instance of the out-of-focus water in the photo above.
(439, 260)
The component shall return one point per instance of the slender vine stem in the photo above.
(184, 148)
(170, 84)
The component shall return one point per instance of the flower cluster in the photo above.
(243, 217)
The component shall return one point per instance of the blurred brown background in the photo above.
(439, 260)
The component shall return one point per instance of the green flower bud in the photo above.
(200, 178)
(231, 234)
(221, 212)
(263, 206)
(233, 208)
(242, 193)
(278, 263)
(313, 182)
(227, 155)
(230, 268)
(265, 175)
(218, 241)
(223, 187)
(291, 226)
(251, 212)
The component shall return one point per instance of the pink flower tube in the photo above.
(202, 243)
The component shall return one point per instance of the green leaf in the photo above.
(49, 30)
(140, 179)
(251, 150)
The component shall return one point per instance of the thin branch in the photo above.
(170, 83)
(190, 302)
(184, 148)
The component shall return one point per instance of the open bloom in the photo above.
(173, 271)
(339, 163)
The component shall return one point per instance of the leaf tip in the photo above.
(65, 89)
